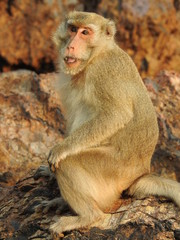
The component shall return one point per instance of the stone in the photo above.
(149, 31)
(31, 120)
(26, 28)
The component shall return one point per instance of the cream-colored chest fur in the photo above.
(79, 102)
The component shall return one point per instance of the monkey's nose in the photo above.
(70, 48)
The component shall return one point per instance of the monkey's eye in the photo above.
(85, 32)
(73, 28)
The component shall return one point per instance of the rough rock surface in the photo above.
(151, 218)
(149, 31)
(26, 28)
(31, 122)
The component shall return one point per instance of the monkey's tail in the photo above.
(153, 185)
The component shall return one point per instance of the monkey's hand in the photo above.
(56, 154)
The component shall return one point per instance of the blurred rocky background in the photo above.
(31, 115)
(148, 30)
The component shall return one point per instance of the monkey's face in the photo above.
(80, 38)
(77, 49)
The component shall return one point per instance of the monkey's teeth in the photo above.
(70, 59)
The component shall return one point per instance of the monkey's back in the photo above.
(135, 143)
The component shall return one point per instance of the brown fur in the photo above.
(111, 128)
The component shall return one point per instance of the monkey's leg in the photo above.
(89, 216)
(155, 185)
(83, 185)
(76, 222)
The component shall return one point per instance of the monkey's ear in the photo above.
(59, 34)
(111, 28)
(55, 38)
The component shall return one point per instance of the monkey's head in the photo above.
(82, 37)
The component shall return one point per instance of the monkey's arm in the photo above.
(114, 113)
(93, 132)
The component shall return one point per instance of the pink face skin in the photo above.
(79, 38)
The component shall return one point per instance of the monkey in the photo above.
(112, 126)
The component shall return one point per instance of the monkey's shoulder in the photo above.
(114, 71)
(123, 63)
(115, 64)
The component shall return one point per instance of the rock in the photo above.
(26, 28)
(165, 94)
(150, 218)
(167, 101)
(6, 177)
(149, 31)
(31, 120)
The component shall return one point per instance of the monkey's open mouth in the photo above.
(70, 60)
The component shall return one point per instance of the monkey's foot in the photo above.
(65, 224)
(58, 203)
(76, 222)
(43, 171)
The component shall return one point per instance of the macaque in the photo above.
(112, 127)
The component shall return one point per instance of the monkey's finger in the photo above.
(53, 169)
(51, 161)
(51, 165)
(57, 164)
(49, 157)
